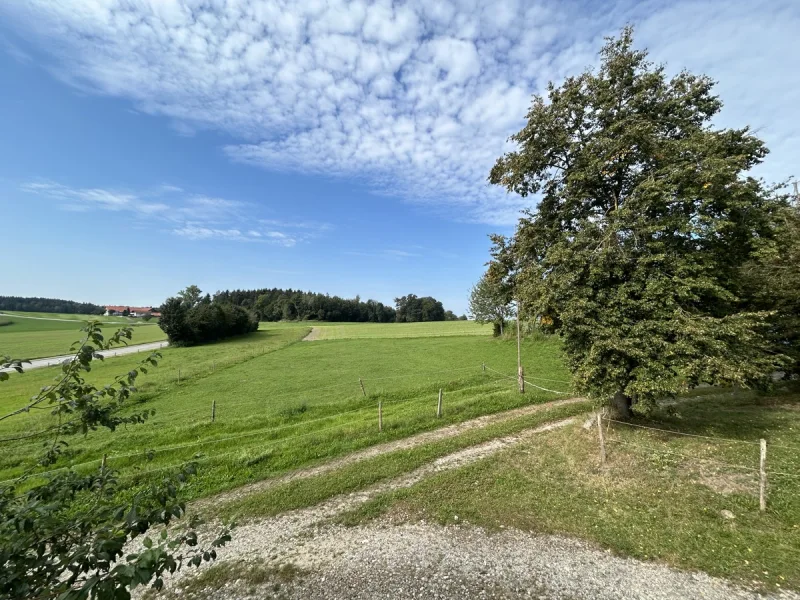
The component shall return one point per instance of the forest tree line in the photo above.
(49, 305)
(294, 305)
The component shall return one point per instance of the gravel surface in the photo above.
(302, 554)
(313, 335)
(457, 562)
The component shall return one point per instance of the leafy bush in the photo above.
(189, 320)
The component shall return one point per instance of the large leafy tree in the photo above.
(66, 534)
(646, 218)
(772, 282)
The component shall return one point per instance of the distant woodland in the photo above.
(290, 305)
(49, 305)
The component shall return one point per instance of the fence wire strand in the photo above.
(681, 454)
(694, 435)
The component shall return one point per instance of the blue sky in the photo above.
(333, 147)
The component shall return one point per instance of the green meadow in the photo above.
(37, 335)
(400, 330)
(281, 403)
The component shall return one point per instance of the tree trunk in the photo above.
(621, 406)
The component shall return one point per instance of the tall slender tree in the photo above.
(490, 302)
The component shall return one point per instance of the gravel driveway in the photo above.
(393, 559)
(461, 562)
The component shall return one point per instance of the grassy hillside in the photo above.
(282, 404)
(37, 337)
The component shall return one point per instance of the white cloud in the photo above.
(401, 253)
(194, 217)
(392, 254)
(416, 99)
(197, 232)
(87, 197)
(15, 51)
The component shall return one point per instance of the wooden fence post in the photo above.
(361, 383)
(602, 439)
(213, 410)
(380, 416)
(762, 472)
(521, 380)
(439, 406)
(103, 464)
(484, 367)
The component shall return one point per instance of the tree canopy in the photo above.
(646, 218)
(411, 309)
(490, 302)
(189, 318)
(288, 305)
(49, 305)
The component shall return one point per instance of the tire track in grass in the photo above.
(380, 449)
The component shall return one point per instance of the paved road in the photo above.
(38, 363)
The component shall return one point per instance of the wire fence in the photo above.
(763, 472)
(485, 375)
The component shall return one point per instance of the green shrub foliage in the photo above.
(189, 319)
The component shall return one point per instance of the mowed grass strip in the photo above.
(660, 496)
(281, 410)
(344, 331)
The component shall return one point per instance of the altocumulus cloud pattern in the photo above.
(416, 99)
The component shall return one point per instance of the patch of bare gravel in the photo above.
(460, 562)
(313, 335)
(380, 449)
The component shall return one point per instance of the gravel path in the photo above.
(38, 363)
(423, 560)
(313, 335)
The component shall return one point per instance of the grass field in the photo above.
(660, 496)
(347, 331)
(71, 317)
(281, 404)
(37, 337)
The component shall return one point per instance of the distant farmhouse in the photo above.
(131, 311)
